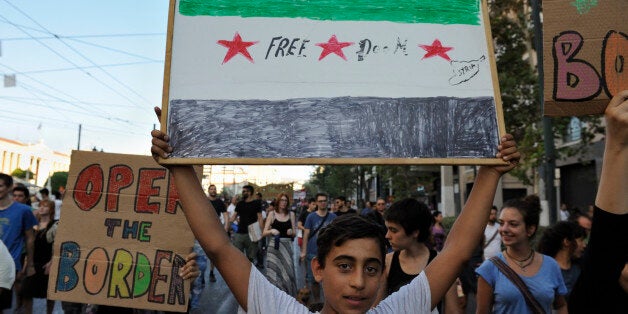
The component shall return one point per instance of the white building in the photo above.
(38, 158)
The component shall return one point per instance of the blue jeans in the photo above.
(309, 276)
(199, 283)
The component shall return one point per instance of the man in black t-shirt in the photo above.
(249, 209)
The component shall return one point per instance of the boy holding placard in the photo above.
(351, 251)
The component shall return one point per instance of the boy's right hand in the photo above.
(160, 147)
(160, 140)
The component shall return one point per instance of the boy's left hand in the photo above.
(508, 152)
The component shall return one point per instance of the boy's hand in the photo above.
(160, 140)
(508, 152)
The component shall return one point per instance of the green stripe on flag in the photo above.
(399, 11)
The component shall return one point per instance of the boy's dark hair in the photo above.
(44, 191)
(552, 239)
(248, 188)
(23, 189)
(7, 179)
(320, 194)
(529, 207)
(412, 215)
(342, 198)
(349, 227)
(27, 193)
(311, 200)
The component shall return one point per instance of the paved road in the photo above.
(217, 297)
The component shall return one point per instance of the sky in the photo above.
(93, 65)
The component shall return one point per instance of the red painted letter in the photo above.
(146, 189)
(120, 177)
(173, 197)
(88, 187)
(159, 257)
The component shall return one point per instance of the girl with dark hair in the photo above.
(408, 230)
(438, 231)
(564, 242)
(408, 223)
(519, 270)
(280, 226)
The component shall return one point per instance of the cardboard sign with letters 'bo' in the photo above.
(122, 236)
(585, 55)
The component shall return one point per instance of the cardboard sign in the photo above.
(331, 82)
(122, 236)
(585, 55)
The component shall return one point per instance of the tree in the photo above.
(344, 180)
(58, 179)
(513, 34)
(270, 191)
(22, 174)
(335, 180)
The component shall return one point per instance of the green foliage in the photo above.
(22, 174)
(448, 222)
(334, 180)
(271, 191)
(405, 180)
(344, 180)
(513, 33)
(58, 179)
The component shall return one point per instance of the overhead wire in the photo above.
(37, 93)
(78, 53)
(85, 72)
(84, 67)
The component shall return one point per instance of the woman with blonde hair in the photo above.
(280, 226)
(36, 286)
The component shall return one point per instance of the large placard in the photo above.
(585, 55)
(122, 236)
(331, 82)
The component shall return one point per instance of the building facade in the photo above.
(39, 159)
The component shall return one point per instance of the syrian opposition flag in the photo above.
(330, 79)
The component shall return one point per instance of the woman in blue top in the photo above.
(518, 222)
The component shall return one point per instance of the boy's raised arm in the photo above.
(234, 267)
(468, 229)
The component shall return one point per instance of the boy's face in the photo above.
(351, 277)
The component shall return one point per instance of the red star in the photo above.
(436, 49)
(237, 46)
(332, 45)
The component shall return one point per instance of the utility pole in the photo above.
(548, 135)
(78, 146)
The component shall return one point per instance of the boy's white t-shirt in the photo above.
(7, 268)
(264, 297)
